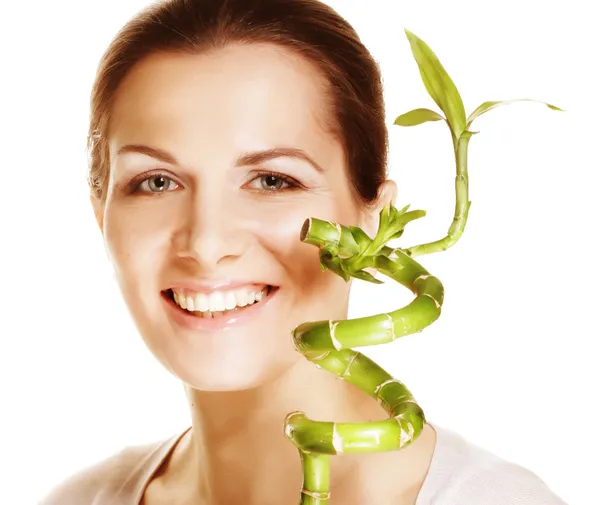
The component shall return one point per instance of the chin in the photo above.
(225, 379)
(225, 367)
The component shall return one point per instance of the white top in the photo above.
(460, 473)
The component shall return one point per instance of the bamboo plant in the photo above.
(347, 251)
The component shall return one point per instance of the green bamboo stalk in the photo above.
(347, 251)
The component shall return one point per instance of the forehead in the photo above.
(238, 97)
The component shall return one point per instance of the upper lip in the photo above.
(209, 287)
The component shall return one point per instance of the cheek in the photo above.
(134, 241)
(280, 233)
(309, 285)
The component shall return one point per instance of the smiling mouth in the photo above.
(169, 295)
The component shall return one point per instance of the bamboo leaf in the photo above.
(416, 117)
(334, 264)
(391, 226)
(487, 106)
(360, 236)
(396, 235)
(366, 276)
(438, 83)
(330, 249)
(404, 209)
(468, 134)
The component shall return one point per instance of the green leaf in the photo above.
(438, 83)
(366, 276)
(468, 134)
(360, 236)
(487, 106)
(391, 226)
(334, 264)
(416, 117)
(330, 249)
(396, 235)
(404, 209)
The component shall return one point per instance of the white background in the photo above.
(512, 363)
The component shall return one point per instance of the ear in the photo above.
(98, 207)
(370, 216)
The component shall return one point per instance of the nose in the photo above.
(212, 231)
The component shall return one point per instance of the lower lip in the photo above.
(223, 322)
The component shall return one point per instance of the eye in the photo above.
(156, 183)
(272, 182)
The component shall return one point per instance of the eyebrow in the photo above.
(249, 158)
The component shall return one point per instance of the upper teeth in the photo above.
(217, 300)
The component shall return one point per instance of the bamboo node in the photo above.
(316, 495)
(437, 304)
(347, 371)
(336, 440)
(332, 326)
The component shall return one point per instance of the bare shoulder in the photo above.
(499, 482)
(104, 477)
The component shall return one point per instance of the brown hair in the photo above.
(308, 27)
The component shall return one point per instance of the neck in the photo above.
(237, 442)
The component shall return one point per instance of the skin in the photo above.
(214, 224)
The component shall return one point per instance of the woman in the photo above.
(217, 128)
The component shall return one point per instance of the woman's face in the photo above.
(196, 210)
